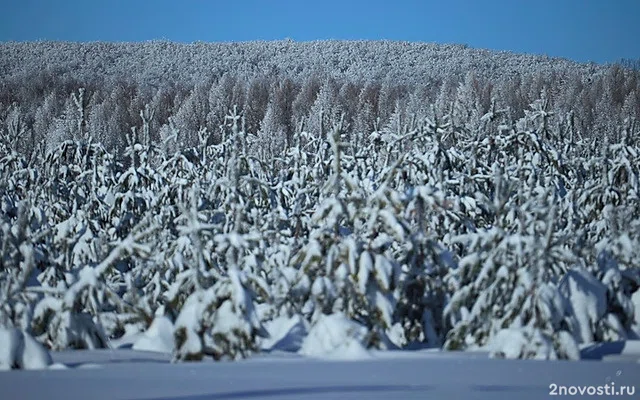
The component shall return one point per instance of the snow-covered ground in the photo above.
(130, 374)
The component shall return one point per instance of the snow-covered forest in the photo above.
(218, 200)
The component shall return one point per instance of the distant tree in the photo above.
(324, 110)
(192, 115)
(305, 98)
(45, 114)
(348, 101)
(271, 137)
(284, 94)
(367, 116)
(630, 63)
(256, 101)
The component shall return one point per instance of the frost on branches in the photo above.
(322, 216)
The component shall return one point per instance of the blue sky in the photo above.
(583, 30)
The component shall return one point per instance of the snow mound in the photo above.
(18, 350)
(158, 338)
(285, 334)
(336, 337)
(11, 345)
(58, 367)
(396, 335)
(521, 343)
(588, 299)
(188, 342)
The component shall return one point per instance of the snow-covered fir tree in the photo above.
(354, 203)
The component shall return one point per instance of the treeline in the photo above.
(524, 240)
(52, 91)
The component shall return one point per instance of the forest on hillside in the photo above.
(277, 86)
(399, 195)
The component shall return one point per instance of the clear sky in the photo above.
(583, 30)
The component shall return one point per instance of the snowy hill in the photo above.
(156, 62)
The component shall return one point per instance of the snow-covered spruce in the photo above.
(19, 350)
(402, 219)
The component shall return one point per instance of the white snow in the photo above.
(335, 337)
(567, 343)
(396, 335)
(528, 342)
(550, 304)
(623, 350)
(384, 305)
(383, 270)
(34, 355)
(365, 268)
(635, 299)
(588, 299)
(188, 323)
(126, 374)
(159, 337)
(508, 343)
(19, 350)
(285, 334)
(11, 345)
